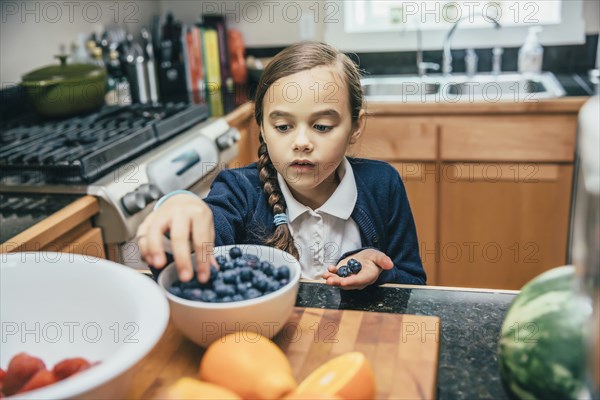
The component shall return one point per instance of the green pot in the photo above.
(66, 89)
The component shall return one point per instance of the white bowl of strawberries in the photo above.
(74, 326)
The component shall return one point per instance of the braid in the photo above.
(282, 237)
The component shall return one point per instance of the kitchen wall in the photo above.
(32, 32)
(268, 23)
(263, 23)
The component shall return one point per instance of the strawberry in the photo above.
(20, 369)
(42, 378)
(2, 375)
(70, 366)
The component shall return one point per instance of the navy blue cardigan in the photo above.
(382, 213)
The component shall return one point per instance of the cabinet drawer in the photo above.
(396, 138)
(89, 244)
(546, 138)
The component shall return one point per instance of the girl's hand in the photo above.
(373, 262)
(186, 218)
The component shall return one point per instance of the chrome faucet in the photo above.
(497, 60)
(447, 56)
(422, 67)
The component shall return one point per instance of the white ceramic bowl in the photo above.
(203, 322)
(57, 305)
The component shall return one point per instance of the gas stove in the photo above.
(82, 149)
(127, 157)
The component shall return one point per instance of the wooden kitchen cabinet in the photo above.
(419, 180)
(402, 141)
(489, 184)
(68, 230)
(242, 118)
(502, 223)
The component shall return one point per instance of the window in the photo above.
(392, 25)
(389, 15)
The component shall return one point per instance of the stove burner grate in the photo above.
(81, 149)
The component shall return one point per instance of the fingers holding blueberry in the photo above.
(352, 267)
(355, 274)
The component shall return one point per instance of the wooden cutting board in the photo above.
(403, 351)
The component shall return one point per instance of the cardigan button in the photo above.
(375, 239)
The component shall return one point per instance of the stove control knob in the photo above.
(228, 139)
(133, 202)
(150, 192)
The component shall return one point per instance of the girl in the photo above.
(304, 195)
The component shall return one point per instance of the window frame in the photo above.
(571, 30)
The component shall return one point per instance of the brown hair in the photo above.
(293, 59)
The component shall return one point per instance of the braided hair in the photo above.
(293, 59)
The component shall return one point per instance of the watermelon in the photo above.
(542, 345)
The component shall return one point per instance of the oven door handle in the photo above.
(186, 161)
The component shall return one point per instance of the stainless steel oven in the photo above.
(127, 157)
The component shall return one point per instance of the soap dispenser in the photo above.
(531, 54)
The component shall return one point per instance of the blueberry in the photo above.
(223, 290)
(241, 288)
(191, 284)
(235, 252)
(239, 263)
(217, 282)
(192, 294)
(251, 259)
(283, 282)
(226, 299)
(263, 265)
(237, 297)
(343, 271)
(268, 269)
(230, 276)
(273, 285)
(227, 266)
(252, 293)
(175, 291)
(354, 266)
(260, 283)
(221, 260)
(246, 274)
(213, 273)
(209, 296)
(283, 272)
(258, 274)
(352, 261)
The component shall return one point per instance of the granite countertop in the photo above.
(470, 326)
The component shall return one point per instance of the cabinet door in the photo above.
(502, 224)
(397, 138)
(420, 182)
(247, 145)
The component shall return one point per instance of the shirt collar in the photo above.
(340, 204)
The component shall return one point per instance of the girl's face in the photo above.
(307, 127)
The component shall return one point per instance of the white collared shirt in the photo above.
(324, 234)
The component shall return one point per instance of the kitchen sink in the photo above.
(398, 87)
(461, 88)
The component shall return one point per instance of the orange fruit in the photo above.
(190, 388)
(311, 396)
(251, 366)
(348, 376)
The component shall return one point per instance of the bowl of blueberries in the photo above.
(253, 291)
